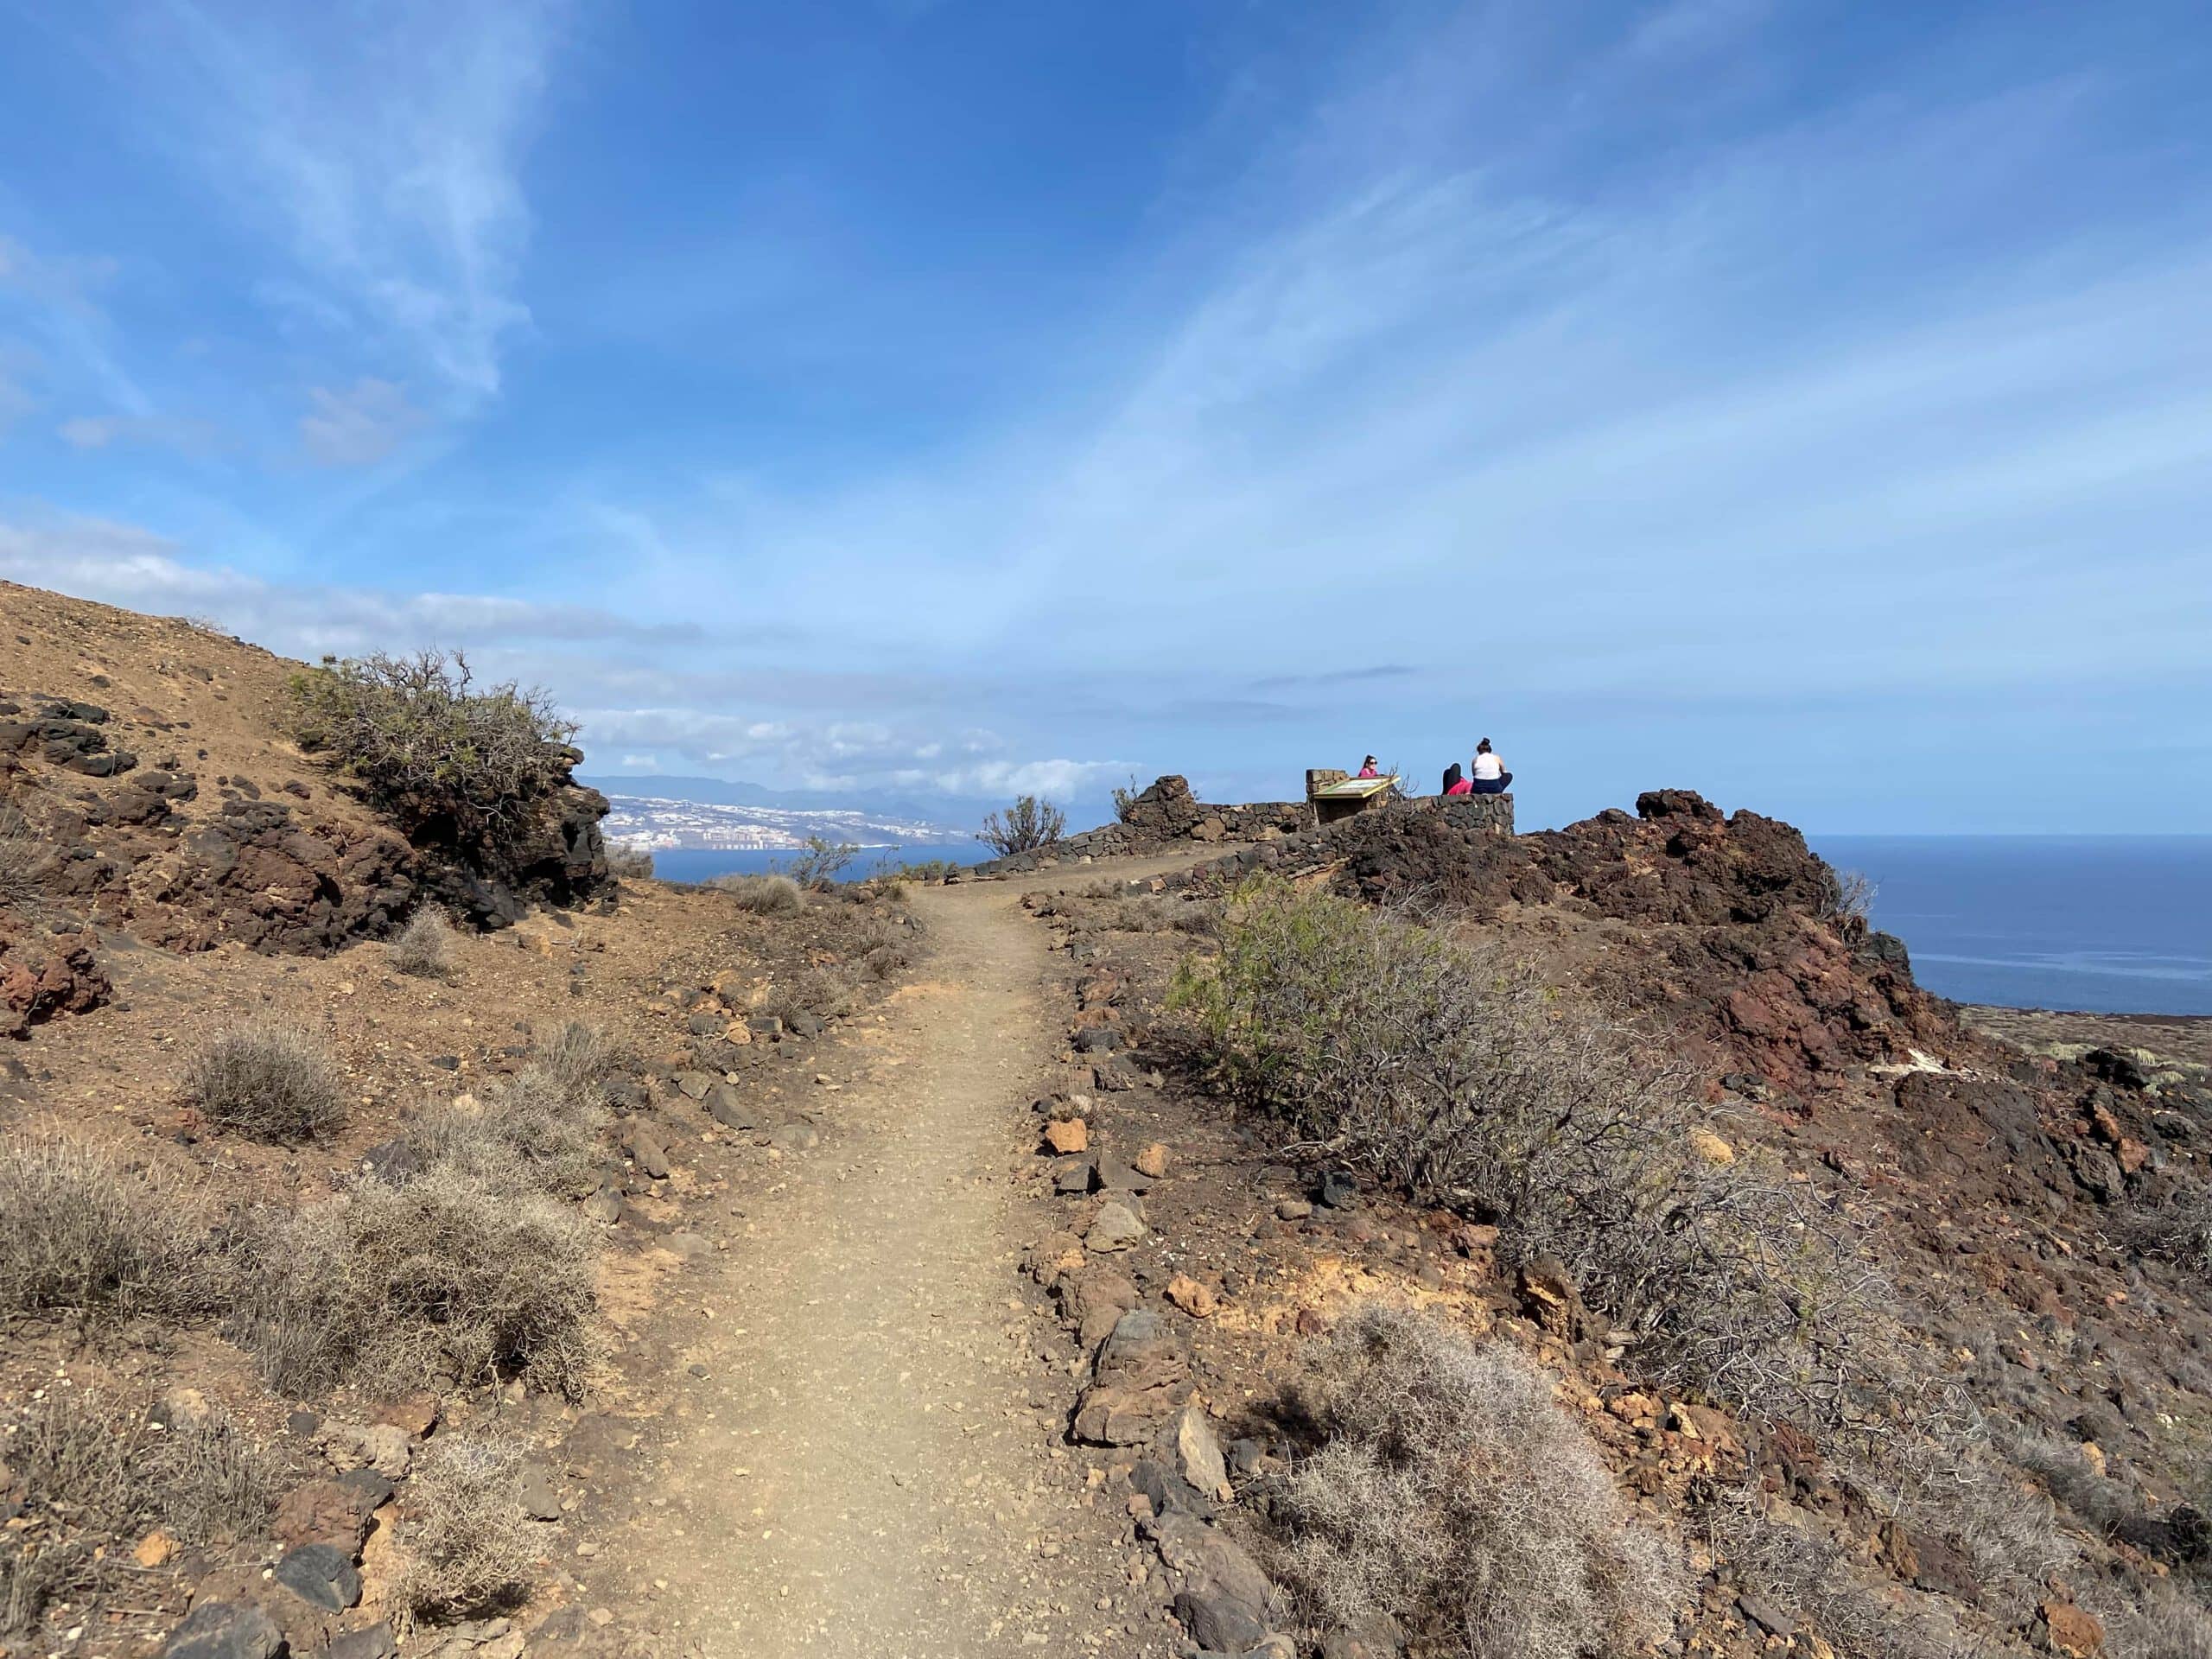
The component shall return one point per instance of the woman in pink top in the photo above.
(1367, 768)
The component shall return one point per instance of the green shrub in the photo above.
(1448, 1491)
(822, 862)
(1459, 1077)
(1027, 826)
(83, 1230)
(468, 1545)
(267, 1082)
(448, 1278)
(456, 766)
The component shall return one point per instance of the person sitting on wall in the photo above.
(1367, 768)
(1457, 782)
(1490, 776)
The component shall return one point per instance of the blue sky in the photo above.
(1809, 403)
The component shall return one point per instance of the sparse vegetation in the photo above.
(538, 1131)
(83, 1230)
(1459, 1077)
(267, 1082)
(629, 863)
(1447, 1489)
(1125, 797)
(2176, 1228)
(25, 862)
(1026, 827)
(822, 862)
(424, 947)
(94, 1474)
(467, 1542)
(1852, 907)
(449, 1277)
(456, 766)
(773, 894)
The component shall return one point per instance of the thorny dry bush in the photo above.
(1450, 1491)
(467, 1269)
(629, 863)
(424, 947)
(1028, 826)
(446, 1278)
(95, 1474)
(25, 860)
(468, 1545)
(85, 1231)
(764, 895)
(455, 765)
(1459, 1077)
(2178, 1228)
(268, 1082)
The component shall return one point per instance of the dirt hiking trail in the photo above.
(869, 1466)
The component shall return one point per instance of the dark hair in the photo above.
(1483, 748)
(1369, 761)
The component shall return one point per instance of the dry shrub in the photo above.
(1028, 826)
(448, 1278)
(424, 947)
(2177, 1229)
(629, 863)
(25, 862)
(469, 1546)
(1456, 1075)
(1452, 1493)
(574, 1059)
(267, 1082)
(1790, 1564)
(530, 1134)
(764, 895)
(96, 1475)
(2170, 1625)
(457, 767)
(83, 1230)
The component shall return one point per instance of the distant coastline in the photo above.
(2095, 925)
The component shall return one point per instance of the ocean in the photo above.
(698, 863)
(2097, 923)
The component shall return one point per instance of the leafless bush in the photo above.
(455, 765)
(1027, 826)
(530, 1134)
(468, 1544)
(575, 1059)
(2169, 1626)
(773, 894)
(629, 863)
(83, 1230)
(1451, 1492)
(1794, 1565)
(1852, 906)
(25, 862)
(424, 947)
(448, 1277)
(1459, 1076)
(94, 1475)
(2176, 1228)
(822, 862)
(268, 1082)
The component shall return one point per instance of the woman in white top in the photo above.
(1489, 774)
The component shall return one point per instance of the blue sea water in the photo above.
(696, 864)
(2098, 923)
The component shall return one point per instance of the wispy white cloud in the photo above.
(189, 437)
(381, 154)
(359, 425)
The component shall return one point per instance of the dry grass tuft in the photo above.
(25, 862)
(531, 1135)
(83, 1230)
(449, 1278)
(469, 1546)
(764, 895)
(271, 1084)
(424, 947)
(1450, 1491)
